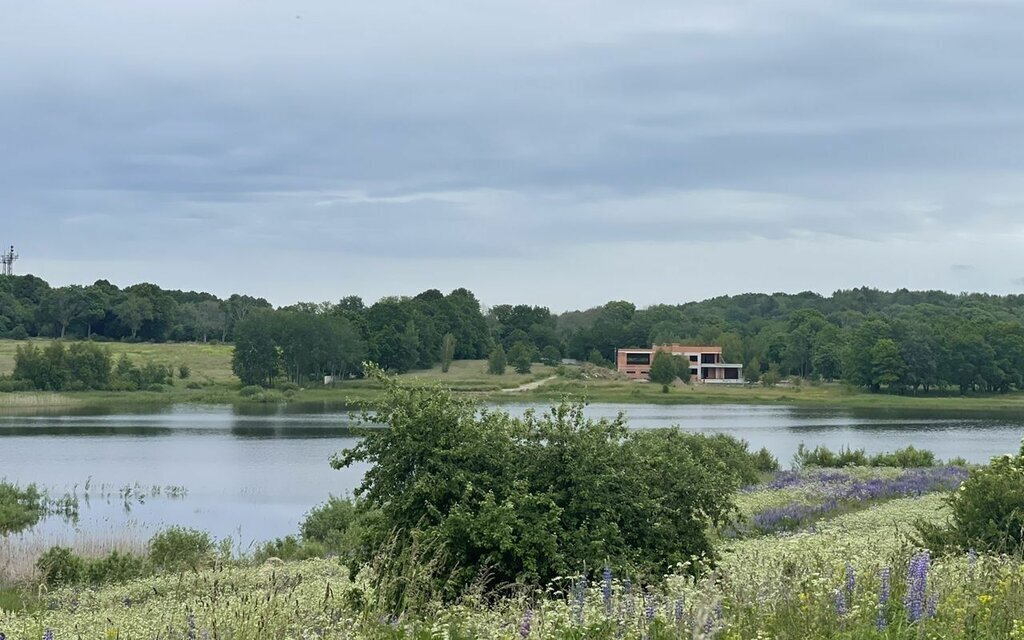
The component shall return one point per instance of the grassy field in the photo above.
(208, 362)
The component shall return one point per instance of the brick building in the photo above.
(706, 363)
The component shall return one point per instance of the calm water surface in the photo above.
(251, 473)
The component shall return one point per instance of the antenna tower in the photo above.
(7, 261)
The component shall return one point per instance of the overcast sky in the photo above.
(553, 152)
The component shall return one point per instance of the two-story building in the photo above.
(706, 364)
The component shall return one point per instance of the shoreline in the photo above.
(831, 395)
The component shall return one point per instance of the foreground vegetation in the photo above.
(553, 526)
(858, 575)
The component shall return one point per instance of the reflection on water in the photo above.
(252, 471)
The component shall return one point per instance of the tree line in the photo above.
(902, 341)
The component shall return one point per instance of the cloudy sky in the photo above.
(561, 153)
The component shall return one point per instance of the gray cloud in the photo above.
(459, 140)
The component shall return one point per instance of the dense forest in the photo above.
(902, 341)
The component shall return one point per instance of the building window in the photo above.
(708, 358)
(638, 358)
(732, 373)
(693, 371)
(693, 358)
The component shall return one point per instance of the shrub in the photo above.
(536, 497)
(250, 391)
(986, 513)
(289, 548)
(184, 371)
(156, 387)
(764, 461)
(18, 333)
(821, 456)
(824, 457)
(152, 373)
(905, 458)
(60, 566)
(178, 548)
(9, 384)
(496, 361)
(115, 567)
(286, 386)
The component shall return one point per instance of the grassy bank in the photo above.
(824, 395)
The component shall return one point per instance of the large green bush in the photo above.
(986, 513)
(59, 566)
(487, 499)
(178, 548)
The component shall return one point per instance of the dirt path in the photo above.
(529, 386)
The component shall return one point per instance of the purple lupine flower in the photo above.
(191, 626)
(3, 636)
(933, 605)
(678, 611)
(917, 586)
(883, 600)
(649, 608)
(840, 600)
(972, 557)
(127, 602)
(851, 580)
(606, 589)
(527, 624)
(48, 634)
(579, 592)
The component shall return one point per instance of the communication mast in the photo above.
(7, 261)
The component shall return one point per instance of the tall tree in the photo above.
(133, 311)
(663, 369)
(255, 359)
(447, 351)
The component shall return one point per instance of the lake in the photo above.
(250, 473)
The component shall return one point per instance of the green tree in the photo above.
(89, 365)
(65, 305)
(550, 355)
(255, 359)
(448, 343)
(133, 311)
(496, 361)
(887, 366)
(520, 356)
(683, 369)
(752, 372)
(663, 369)
(595, 358)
